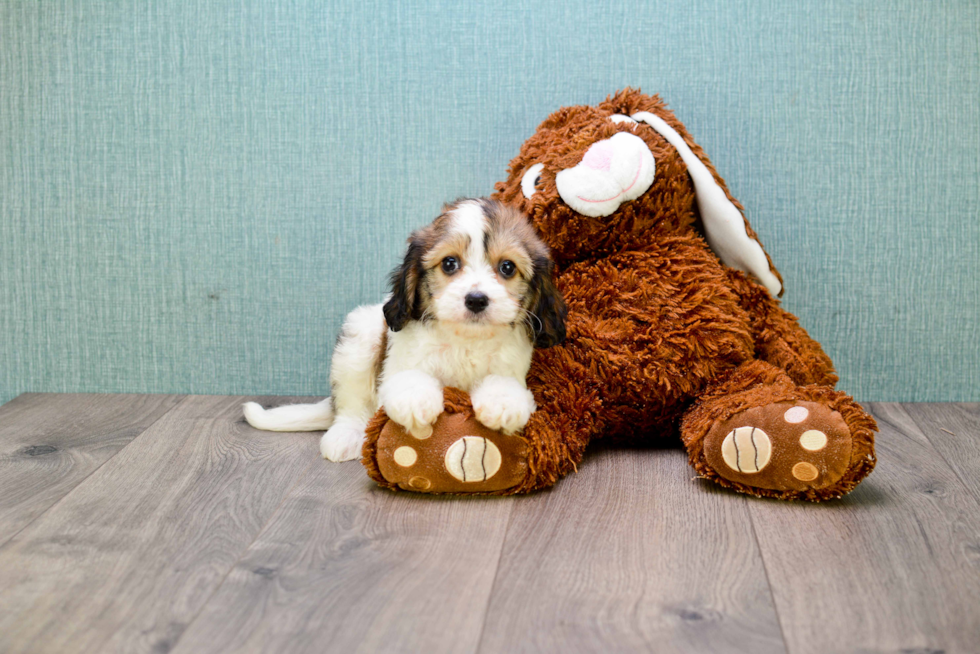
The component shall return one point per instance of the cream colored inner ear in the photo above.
(724, 225)
(620, 118)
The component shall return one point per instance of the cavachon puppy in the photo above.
(472, 299)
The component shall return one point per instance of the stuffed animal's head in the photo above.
(613, 177)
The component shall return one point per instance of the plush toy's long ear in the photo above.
(726, 229)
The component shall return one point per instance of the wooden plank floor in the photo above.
(165, 524)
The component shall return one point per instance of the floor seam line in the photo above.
(496, 575)
(242, 554)
(93, 471)
(939, 452)
(765, 571)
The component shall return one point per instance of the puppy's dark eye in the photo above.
(450, 265)
(507, 268)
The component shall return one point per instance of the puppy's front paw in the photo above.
(414, 400)
(343, 441)
(502, 403)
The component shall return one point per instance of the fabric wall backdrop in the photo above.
(193, 193)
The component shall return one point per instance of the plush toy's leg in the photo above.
(779, 338)
(758, 432)
(464, 457)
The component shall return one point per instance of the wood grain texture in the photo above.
(128, 559)
(350, 567)
(203, 535)
(894, 566)
(954, 430)
(631, 554)
(50, 443)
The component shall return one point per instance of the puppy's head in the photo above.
(478, 263)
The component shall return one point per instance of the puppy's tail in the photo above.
(292, 417)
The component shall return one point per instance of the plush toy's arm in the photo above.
(779, 338)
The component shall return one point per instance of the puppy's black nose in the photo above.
(476, 302)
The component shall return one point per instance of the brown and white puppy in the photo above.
(469, 303)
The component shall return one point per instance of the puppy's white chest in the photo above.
(459, 357)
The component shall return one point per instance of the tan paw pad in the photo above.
(419, 483)
(805, 471)
(813, 440)
(405, 456)
(796, 415)
(746, 449)
(473, 459)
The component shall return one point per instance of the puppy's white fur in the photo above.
(486, 353)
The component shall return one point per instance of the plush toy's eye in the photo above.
(507, 268)
(450, 265)
(532, 176)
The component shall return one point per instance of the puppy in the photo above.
(469, 303)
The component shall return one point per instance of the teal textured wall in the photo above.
(192, 194)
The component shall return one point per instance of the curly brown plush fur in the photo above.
(663, 339)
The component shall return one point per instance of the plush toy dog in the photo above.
(673, 329)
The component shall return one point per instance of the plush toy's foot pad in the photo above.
(785, 446)
(461, 456)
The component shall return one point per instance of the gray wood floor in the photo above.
(165, 524)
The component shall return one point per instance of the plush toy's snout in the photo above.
(612, 171)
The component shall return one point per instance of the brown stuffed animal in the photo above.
(672, 327)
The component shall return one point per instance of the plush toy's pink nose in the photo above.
(599, 156)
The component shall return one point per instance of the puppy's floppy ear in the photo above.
(547, 305)
(404, 303)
